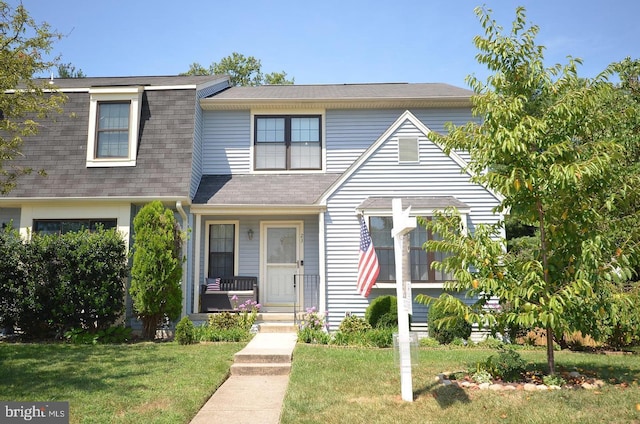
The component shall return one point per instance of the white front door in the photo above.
(281, 247)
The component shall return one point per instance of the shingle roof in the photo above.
(263, 189)
(344, 96)
(163, 166)
(344, 91)
(149, 81)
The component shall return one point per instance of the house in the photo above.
(286, 170)
(119, 143)
(269, 180)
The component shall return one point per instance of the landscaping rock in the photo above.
(496, 387)
(530, 387)
(484, 386)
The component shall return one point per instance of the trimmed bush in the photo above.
(379, 307)
(185, 332)
(353, 324)
(445, 327)
(13, 277)
(74, 280)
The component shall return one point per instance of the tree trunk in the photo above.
(545, 271)
(149, 327)
(551, 361)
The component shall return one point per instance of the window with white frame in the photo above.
(222, 250)
(419, 259)
(114, 120)
(287, 142)
(408, 149)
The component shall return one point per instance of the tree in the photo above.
(67, 70)
(157, 267)
(23, 47)
(242, 70)
(553, 146)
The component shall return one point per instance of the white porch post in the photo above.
(196, 264)
(402, 225)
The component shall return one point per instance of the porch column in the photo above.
(196, 264)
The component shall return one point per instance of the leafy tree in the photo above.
(242, 70)
(23, 47)
(67, 70)
(157, 267)
(553, 146)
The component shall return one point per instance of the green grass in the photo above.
(136, 383)
(337, 385)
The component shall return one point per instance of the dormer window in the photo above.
(114, 119)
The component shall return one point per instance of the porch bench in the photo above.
(244, 288)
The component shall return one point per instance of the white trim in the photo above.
(196, 265)
(322, 265)
(236, 244)
(257, 209)
(133, 95)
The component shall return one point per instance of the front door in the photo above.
(282, 247)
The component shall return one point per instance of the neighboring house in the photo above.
(285, 171)
(268, 180)
(120, 143)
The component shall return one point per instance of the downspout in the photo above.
(185, 227)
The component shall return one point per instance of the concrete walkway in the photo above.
(255, 390)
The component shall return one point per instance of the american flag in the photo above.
(213, 285)
(368, 267)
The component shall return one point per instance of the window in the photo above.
(112, 138)
(408, 150)
(420, 260)
(61, 226)
(287, 142)
(222, 243)
(114, 120)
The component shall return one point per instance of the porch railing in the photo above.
(307, 294)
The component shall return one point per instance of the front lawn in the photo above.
(135, 383)
(339, 385)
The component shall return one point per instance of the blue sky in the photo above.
(328, 41)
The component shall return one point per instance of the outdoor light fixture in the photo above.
(250, 234)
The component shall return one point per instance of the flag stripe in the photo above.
(368, 266)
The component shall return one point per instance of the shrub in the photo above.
(380, 337)
(75, 280)
(13, 277)
(379, 307)
(312, 320)
(224, 321)
(185, 332)
(444, 326)
(308, 335)
(207, 333)
(111, 335)
(388, 320)
(428, 342)
(508, 365)
(353, 324)
(157, 267)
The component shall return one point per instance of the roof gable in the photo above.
(406, 116)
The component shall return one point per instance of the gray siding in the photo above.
(435, 175)
(226, 142)
(196, 169)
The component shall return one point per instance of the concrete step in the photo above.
(261, 358)
(261, 369)
(277, 327)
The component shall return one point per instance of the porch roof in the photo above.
(424, 204)
(262, 190)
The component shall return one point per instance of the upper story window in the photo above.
(288, 142)
(114, 120)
